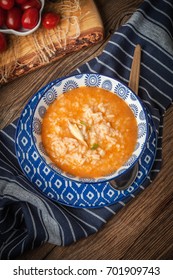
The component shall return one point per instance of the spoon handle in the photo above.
(135, 70)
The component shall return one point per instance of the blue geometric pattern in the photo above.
(69, 192)
(92, 80)
(50, 96)
(42, 111)
(107, 85)
(142, 129)
(70, 84)
(37, 124)
(122, 91)
(134, 108)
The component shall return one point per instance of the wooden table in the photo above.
(144, 228)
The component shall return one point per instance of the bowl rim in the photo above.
(68, 176)
(25, 32)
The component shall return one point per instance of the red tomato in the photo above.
(31, 4)
(13, 20)
(6, 4)
(3, 42)
(2, 16)
(20, 1)
(50, 20)
(30, 18)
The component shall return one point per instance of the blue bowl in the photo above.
(91, 80)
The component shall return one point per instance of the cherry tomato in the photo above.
(30, 18)
(31, 4)
(14, 18)
(6, 4)
(3, 42)
(20, 2)
(2, 16)
(50, 20)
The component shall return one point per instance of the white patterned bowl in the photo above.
(89, 80)
(23, 31)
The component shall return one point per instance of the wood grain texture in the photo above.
(143, 229)
(80, 26)
(135, 70)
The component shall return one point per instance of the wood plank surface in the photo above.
(143, 229)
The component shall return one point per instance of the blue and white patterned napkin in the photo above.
(28, 219)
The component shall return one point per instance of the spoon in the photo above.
(135, 70)
(128, 178)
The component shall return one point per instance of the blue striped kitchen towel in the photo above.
(27, 218)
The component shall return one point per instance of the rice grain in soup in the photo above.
(89, 132)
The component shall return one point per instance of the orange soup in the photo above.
(89, 132)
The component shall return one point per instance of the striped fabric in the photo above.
(27, 218)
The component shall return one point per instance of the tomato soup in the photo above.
(89, 132)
